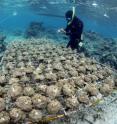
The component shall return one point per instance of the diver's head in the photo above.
(69, 15)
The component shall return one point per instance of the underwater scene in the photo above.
(58, 61)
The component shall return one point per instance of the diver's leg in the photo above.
(72, 44)
(68, 45)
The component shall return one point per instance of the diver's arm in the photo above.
(67, 30)
(64, 31)
(61, 30)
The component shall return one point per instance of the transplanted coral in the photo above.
(105, 89)
(39, 101)
(83, 97)
(72, 102)
(54, 106)
(15, 90)
(24, 103)
(92, 89)
(4, 118)
(28, 91)
(35, 115)
(39, 78)
(53, 91)
(68, 89)
(2, 79)
(2, 104)
(17, 114)
(13, 80)
(41, 88)
(2, 91)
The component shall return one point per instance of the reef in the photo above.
(18, 32)
(95, 46)
(34, 29)
(102, 49)
(2, 43)
(38, 30)
(40, 78)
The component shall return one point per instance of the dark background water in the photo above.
(99, 15)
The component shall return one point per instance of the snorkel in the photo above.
(73, 15)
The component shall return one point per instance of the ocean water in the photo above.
(30, 66)
(98, 15)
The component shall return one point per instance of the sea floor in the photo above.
(104, 113)
(43, 69)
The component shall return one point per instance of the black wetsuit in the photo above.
(74, 31)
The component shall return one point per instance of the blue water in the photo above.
(100, 18)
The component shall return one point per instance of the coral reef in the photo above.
(103, 49)
(41, 78)
(35, 115)
(4, 117)
(2, 43)
(16, 114)
(24, 103)
(17, 32)
(54, 107)
(34, 29)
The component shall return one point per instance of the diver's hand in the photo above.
(61, 30)
(80, 44)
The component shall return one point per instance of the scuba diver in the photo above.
(74, 30)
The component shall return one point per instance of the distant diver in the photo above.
(74, 30)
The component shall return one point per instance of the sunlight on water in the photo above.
(15, 13)
(94, 4)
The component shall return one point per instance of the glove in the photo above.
(80, 44)
(61, 30)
